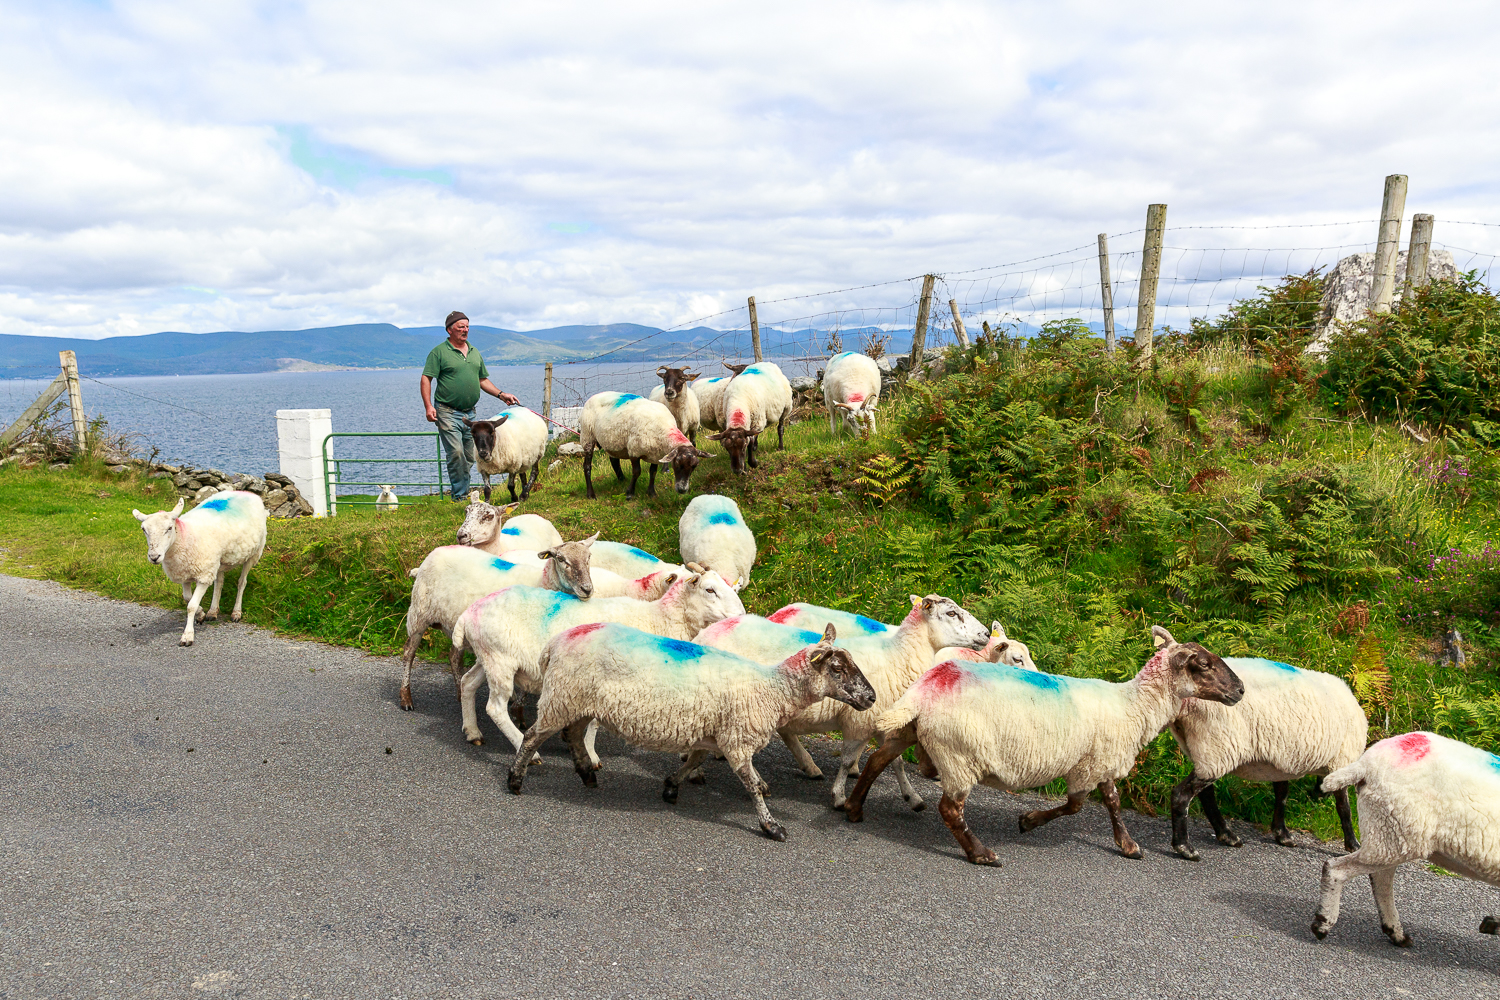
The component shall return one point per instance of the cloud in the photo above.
(277, 166)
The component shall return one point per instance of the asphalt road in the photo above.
(256, 817)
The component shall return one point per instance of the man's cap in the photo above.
(453, 317)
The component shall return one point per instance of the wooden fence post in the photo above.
(989, 335)
(1106, 294)
(919, 332)
(1392, 208)
(35, 410)
(69, 362)
(547, 396)
(958, 324)
(1145, 310)
(754, 329)
(1416, 254)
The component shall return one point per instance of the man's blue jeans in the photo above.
(458, 445)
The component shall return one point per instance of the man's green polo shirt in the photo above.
(457, 375)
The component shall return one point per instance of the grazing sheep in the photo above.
(666, 694)
(709, 392)
(815, 619)
(486, 528)
(1421, 795)
(757, 397)
(508, 630)
(1291, 722)
(851, 390)
(678, 396)
(712, 533)
(985, 723)
(511, 443)
(222, 532)
(387, 499)
(891, 662)
(999, 649)
(627, 426)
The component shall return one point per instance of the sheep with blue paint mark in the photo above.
(1291, 722)
(621, 559)
(509, 629)
(710, 391)
(665, 694)
(226, 531)
(987, 723)
(1421, 796)
(815, 618)
(1000, 649)
(712, 533)
(851, 391)
(626, 426)
(891, 661)
(758, 396)
(676, 394)
(509, 444)
(486, 527)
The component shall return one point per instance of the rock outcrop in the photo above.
(1346, 293)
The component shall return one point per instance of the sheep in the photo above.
(1421, 795)
(1012, 729)
(757, 397)
(813, 617)
(508, 630)
(222, 532)
(627, 426)
(512, 442)
(387, 499)
(891, 662)
(851, 390)
(486, 527)
(1000, 649)
(1291, 722)
(678, 396)
(709, 391)
(712, 533)
(624, 560)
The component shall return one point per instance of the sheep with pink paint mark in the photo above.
(815, 618)
(626, 426)
(758, 397)
(665, 694)
(1421, 796)
(226, 531)
(851, 391)
(676, 394)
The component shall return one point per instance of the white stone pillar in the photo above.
(300, 435)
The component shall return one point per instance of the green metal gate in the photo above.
(333, 468)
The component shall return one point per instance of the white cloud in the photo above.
(558, 163)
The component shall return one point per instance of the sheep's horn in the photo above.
(661, 371)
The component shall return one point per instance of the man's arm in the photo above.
(504, 397)
(427, 398)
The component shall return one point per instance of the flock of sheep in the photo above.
(664, 655)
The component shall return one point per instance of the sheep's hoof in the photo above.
(1489, 925)
(1133, 852)
(697, 777)
(812, 775)
(1186, 853)
(987, 858)
(774, 830)
(212, 616)
(854, 814)
(669, 792)
(596, 764)
(1320, 927)
(590, 780)
(919, 806)
(1404, 941)
(184, 642)
(515, 783)
(405, 699)
(1230, 840)
(1024, 825)
(236, 616)
(478, 741)
(198, 616)
(1284, 839)
(1351, 845)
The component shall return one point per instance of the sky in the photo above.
(200, 167)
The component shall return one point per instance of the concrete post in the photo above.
(300, 435)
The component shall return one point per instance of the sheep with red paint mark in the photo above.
(489, 529)
(851, 391)
(757, 397)
(626, 426)
(1000, 649)
(712, 533)
(676, 394)
(1421, 796)
(665, 694)
(815, 618)
(987, 723)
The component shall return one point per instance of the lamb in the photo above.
(851, 390)
(665, 694)
(1015, 729)
(387, 499)
(999, 649)
(511, 443)
(757, 397)
(678, 396)
(509, 629)
(224, 531)
(627, 426)
(709, 392)
(1291, 722)
(814, 618)
(485, 527)
(1421, 795)
(891, 662)
(713, 534)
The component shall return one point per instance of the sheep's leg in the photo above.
(740, 759)
(1030, 821)
(1278, 814)
(510, 484)
(635, 474)
(526, 754)
(199, 588)
(517, 709)
(907, 791)
(751, 450)
(673, 784)
(1384, 884)
(693, 437)
(804, 759)
(894, 746)
(496, 709)
(925, 767)
(1210, 803)
(527, 487)
(213, 605)
(619, 472)
(651, 481)
(486, 476)
(588, 743)
(588, 473)
(581, 752)
(1341, 803)
(187, 591)
(1127, 846)
(466, 690)
(833, 426)
(1489, 925)
(849, 758)
(239, 594)
(1183, 794)
(1337, 871)
(951, 808)
(408, 654)
(781, 431)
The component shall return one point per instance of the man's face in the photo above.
(459, 332)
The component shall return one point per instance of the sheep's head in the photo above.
(858, 417)
(841, 677)
(568, 570)
(948, 624)
(736, 441)
(653, 585)
(683, 459)
(674, 380)
(706, 599)
(1012, 653)
(482, 522)
(484, 434)
(161, 531)
(1194, 671)
(738, 583)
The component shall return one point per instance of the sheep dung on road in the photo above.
(713, 534)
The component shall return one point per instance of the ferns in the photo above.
(1369, 678)
(884, 477)
(1476, 721)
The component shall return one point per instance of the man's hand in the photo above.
(508, 399)
(432, 415)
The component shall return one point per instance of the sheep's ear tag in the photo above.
(915, 600)
(830, 633)
(996, 631)
(138, 515)
(510, 507)
(1162, 637)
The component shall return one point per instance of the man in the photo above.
(460, 375)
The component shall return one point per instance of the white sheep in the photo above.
(851, 390)
(508, 630)
(1290, 723)
(621, 559)
(713, 534)
(1421, 795)
(387, 499)
(1000, 649)
(891, 662)
(758, 396)
(627, 426)
(986, 723)
(509, 444)
(677, 395)
(815, 619)
(194, 549)
(485, 527)
(666, 694)
(709, 392)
